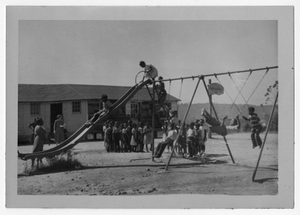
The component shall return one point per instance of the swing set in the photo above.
(223, 134)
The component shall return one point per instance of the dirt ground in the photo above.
(136, 174)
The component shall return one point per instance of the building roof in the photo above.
(67, 92)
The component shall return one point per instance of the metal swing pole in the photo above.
(213, 107)
(183, 122)
(210, 109)
(153, 117)
(265, 138)
(222, 73)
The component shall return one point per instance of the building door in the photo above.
(55, 110)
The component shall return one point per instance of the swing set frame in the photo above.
(202, 77)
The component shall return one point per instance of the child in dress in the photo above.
(140, 137)
(125, 141)
(134, 140)
(147, 131)
(129, 135)
(105, 126)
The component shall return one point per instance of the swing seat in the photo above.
(221, 130)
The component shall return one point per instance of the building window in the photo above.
(134, 110)
(76, 107)
(35, 108)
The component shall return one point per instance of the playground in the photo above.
(134, 174)
(238, 168)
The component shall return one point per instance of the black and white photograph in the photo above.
(150, 107)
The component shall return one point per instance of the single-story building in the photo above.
(77, 103)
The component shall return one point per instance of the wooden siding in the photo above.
(72, 120)
(25, 118)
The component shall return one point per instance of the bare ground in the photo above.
(136, 174)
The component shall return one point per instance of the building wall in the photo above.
(72, 120)
(25, 118)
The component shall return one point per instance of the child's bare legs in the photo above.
(95, 117)
(224, 119)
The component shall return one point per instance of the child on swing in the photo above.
(256, 127)
(219, 127)
(216, 126)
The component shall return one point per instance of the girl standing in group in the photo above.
(147, 131)
(108, 137)
(140, 138)
(125, 141)
(128, 130)
(133, 141)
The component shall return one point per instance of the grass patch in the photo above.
(62, 162)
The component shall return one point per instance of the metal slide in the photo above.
(81, 133)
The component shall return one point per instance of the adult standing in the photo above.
(32, 127)
(40, 138)
(58, 129)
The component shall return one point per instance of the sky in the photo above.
(107, 52)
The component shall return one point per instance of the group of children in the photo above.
(127, 136)
(191, 140)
